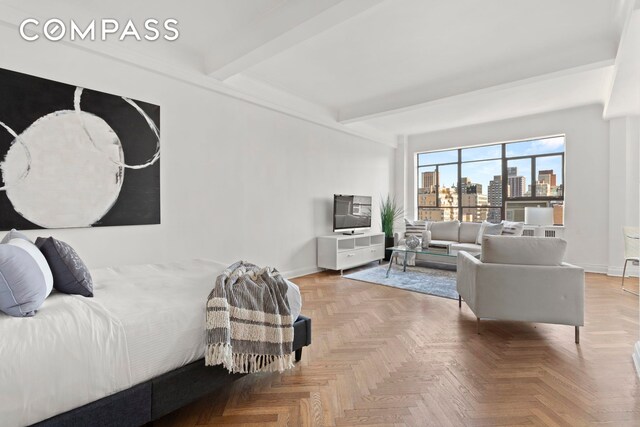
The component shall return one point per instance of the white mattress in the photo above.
(143, 321)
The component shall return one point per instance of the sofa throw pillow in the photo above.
(488, 229)
(414, 228)
(70, 274)
(25, 278)
(14, 234)
(514, 229)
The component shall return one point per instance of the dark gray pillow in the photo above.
(70, 274)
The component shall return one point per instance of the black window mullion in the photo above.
(533, 178)
(505, 183)
(458, 184)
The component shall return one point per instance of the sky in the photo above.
(482, 172)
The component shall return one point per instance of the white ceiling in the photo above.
(391, 66)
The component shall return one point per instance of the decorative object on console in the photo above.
(25, 278)
(66, 150)
(412, 242)
(70, 274)
(390, 212)
(538, 216)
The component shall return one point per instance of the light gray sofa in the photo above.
(522, 279)
(456, 235)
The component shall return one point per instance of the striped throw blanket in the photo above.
(249, 325)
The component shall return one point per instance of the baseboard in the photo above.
(632, 271)
(636, 357)
(291, 274)
(592, 268)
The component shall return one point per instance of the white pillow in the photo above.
(514, 229)
(488, 229)
(35, 253)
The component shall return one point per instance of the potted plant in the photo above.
(390, 212)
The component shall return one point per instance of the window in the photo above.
(492, 182)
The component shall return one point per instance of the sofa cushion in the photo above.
(523, 250)
(469, 232)
(514, 229)
(445, 230)
(468, 247)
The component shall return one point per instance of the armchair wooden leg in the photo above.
(459, 301)
(478, 325)
(577, 334)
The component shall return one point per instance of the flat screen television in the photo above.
(351, 212)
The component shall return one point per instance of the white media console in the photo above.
(339, 252)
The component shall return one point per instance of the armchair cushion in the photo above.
(523, 250)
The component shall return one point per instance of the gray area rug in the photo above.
(441, 283)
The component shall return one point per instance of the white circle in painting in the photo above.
(71, 182)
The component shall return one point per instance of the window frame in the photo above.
(504, 159)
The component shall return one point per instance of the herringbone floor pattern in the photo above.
(384, 356)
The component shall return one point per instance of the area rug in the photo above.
(441, 283)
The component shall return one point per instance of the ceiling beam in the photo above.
(223, 66)
(623, 96)
(377, 110)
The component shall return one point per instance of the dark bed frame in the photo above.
(159, 396)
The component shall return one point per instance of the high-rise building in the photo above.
(468, 187)
(494, 198)
(547, 176)
(517, 184)
(429, 182)
(542, 189)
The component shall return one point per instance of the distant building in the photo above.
(429, 182)
(494, 198)
(517, 184)
(542, 189)
(547, 176)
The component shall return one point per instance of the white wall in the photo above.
(586, 173)
(624, 141)
(238, 181)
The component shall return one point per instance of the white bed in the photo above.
(143, 321)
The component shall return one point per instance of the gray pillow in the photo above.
(70, 274)
(25, 278)
(14, 234)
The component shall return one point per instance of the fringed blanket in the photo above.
(249, 325)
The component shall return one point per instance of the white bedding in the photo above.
(143, 321)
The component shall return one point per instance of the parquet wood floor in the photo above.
(387, 357)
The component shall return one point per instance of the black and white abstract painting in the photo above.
(75, 157)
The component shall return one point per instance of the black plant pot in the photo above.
(388, 242)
